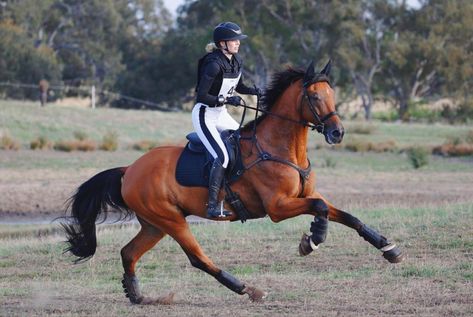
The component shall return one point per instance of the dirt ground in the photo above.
(345, 278)
(40, 194)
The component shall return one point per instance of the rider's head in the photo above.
(227, 36)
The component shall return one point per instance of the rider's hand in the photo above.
(233, 100)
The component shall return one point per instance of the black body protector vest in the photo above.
(221, 75)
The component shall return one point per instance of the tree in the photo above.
(410, 70)
(21, 62)
(361, 48)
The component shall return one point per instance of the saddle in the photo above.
(194, 163)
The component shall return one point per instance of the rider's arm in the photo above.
(210, 72)
(241, 88)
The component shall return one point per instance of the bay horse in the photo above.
(277, 182)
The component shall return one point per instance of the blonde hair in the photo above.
(210, 47)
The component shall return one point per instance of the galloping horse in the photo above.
(277, 182)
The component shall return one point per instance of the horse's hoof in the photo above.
(255, 294)
(132, 289)
(394, 255)
(304, 246)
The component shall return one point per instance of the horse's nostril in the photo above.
(336, 133)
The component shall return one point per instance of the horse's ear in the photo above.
(309, 74)
(326, 70)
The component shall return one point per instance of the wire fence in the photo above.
(56, 91)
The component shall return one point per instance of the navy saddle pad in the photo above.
(193, 166)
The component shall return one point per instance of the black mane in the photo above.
(279, 83)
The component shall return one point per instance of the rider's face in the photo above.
(232, 46)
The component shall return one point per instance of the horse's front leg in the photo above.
(390, 251)
(283, 208)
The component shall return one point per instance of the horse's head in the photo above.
(318, 104)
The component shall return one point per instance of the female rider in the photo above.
(219, 76)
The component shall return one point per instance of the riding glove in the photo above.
(233, 100)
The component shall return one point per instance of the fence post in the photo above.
(92, 96)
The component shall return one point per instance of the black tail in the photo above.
(94, 197)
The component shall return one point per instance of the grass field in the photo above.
(428, 212)
(345, 277)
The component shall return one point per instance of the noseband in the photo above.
(319, 122)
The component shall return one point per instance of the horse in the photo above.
(278, 182)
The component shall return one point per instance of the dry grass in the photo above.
(7, 142)
(345, 277)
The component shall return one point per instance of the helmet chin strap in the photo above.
(226, 48)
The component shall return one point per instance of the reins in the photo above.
(319, 126)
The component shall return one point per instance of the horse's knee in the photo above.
(320, 207)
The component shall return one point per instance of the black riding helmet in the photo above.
(227, 31)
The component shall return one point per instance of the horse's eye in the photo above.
(316, 97)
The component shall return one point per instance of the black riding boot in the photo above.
(217, 173)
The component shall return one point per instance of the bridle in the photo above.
(319, 124)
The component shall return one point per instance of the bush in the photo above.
(7, 142)
(357, 146)
(75, 145)
(386, 146)
(362, 146)
(418, 157)
(386, 116)
(462, 113)
(41, 143)
(109, 141)
(456, 146)
(450, 149)
(65, 146)
(144, 145)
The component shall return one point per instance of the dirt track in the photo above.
(31, 194)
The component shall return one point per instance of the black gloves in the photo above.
(233, 100)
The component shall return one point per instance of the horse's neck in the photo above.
(284, 138)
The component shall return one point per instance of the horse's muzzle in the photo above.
(334, 135)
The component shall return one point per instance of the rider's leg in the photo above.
(205, 121)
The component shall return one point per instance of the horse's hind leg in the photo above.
(182, 234)
(132, 252)
(390, 251)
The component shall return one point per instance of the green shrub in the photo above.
(357, 146)
(7, 142)
(462, 113)
(422, 113)
(65, 146)
(418, 157)
(144, 145)
(387, 116)
(109, 141)
(385, 146)
(41, 143)
(75, 145)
